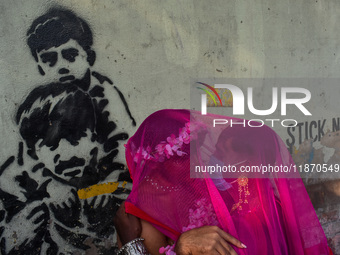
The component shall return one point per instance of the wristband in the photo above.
(134, 247)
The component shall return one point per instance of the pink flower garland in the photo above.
(168, 250)
(166, 149)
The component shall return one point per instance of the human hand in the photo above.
(128, 226)
(207, 240)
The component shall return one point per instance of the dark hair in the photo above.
(61, 111)
(57, 27)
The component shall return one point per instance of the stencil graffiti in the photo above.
(70, 145)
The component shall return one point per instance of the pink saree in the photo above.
(271, 215)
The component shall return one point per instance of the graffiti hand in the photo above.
(96, 213)
(99, 203)
(33, 191)
(92, 201)
(68, 212)
(38, 214)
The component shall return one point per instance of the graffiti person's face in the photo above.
(64, 63)
(68, 161)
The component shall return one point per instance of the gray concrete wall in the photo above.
(151, 51)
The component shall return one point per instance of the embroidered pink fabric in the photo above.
(271, 215)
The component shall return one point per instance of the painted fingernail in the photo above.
(243, 245)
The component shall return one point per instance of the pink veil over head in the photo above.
(271, 214)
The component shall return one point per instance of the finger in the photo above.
(231, 250)
(222, 248)
(212, 252)
(229, 238)
(227, 247)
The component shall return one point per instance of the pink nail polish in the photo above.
(243, 246)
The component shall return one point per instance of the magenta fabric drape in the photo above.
(271, 214)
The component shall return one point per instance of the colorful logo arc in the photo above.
(208, 92)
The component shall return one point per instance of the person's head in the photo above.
(60, 43)
(64, 128)
(254, 144)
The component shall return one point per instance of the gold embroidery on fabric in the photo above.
(243, 192)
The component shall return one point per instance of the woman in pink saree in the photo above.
(172, 191)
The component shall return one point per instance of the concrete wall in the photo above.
(147, 55)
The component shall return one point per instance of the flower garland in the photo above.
(172, 146)
(168, 250)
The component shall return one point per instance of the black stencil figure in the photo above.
(61, 44)
(71, 142)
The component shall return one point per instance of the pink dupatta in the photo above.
(271, 215)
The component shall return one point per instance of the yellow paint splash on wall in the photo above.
(99, 189)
